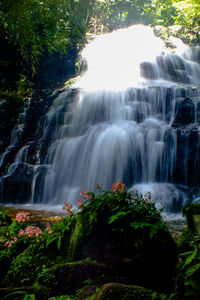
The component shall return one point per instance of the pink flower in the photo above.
(33, 231)
(69, 208)
(118, 187)
(9, 244)
(6, 243)
(48, 229)
(147, 197)
(22, 216)
(85, 194)
(21, 232)
(79, 202)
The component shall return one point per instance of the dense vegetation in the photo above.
(113, 236)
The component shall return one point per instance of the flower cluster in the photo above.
(147, 197)
(80, 202)
(31, 231)
(22, 216)
(118, 187)
(25, 231)
(9, 244)
(48, 229)
(85, 195)
(69, 208)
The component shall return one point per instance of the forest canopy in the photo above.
(30, 30)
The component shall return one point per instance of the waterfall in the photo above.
(133, 115)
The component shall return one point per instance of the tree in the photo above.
(189, 18)
(32, 27)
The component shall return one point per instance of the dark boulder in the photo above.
(185, 113)
(145, 261)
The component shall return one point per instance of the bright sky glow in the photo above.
(114, 59)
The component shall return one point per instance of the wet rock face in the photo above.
(185, 124)
(16, 187)
(185, 114)
(26, 155)
(187, 166)
(8, 118)
(16, 184)
(29, 129)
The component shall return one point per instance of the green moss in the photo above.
(184, 241)
(70, 277)
(116, 291)
(75, 240)
(25, 267)
(191, 210)
(71, 81)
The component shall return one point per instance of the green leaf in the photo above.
(192, 269)
(137, 225)
(14, 293)
(190, 258)
(51, 240)
(116, 216)
(185, 253)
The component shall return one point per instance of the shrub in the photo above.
(125, 231)
(188, 278)
(122, 210)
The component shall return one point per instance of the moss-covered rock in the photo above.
(25, 267)
(192, 211)
(116, 291)
(150, 263)
(184, 241)
(145, 255)
(67, 278)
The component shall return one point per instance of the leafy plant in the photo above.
(59, 230)
(19, 295)
(47, 277)
(188, 269)
(120, 207)
(3, 215)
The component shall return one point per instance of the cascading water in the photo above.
(134, 116)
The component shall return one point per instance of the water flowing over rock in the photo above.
(133, 116)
